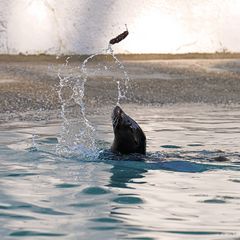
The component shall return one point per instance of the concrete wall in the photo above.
(85, 26)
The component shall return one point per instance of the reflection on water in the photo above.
(122, 176)
(177, 191)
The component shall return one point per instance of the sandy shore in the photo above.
(31, 85)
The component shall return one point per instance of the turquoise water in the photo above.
(178, 191)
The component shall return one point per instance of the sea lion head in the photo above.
(128, 136)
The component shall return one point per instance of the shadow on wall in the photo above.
(4, 12)
(46, 26)
(31, 27)
(84, 27)
(94, 18)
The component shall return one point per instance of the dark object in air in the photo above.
(128, 136)
(119, 38)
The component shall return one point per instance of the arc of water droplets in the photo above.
(121, 92)
(65, 126)
(78, 96)
(76, 84)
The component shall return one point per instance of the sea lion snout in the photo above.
(117, 115)
(116, 111)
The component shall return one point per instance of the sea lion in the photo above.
(128, 136)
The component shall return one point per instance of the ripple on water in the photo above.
(104, 228)
(47, 211)
(66, 185)
(195, 232)
(141, 238)
(171, 146)
(128, 200)
(195, 145)
(16, 216)
(84, 205)
(95, 191)
(106, 220)
(32, 208)
(26, 233)
(50, 140)
(20, 174)
(214, 201)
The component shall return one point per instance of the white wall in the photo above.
(85, 26)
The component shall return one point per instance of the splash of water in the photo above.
(122, 84)
(34, 145)
(78, 134)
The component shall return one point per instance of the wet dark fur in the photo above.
(128, 136)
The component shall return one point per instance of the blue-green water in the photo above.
(178, 191)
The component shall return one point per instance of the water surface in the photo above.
(177, 191)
